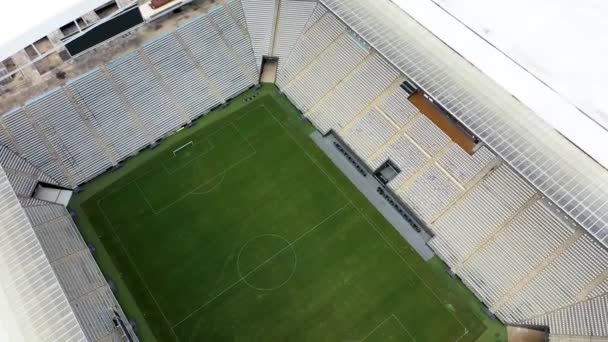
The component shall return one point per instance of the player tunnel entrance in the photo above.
(387, 172)
(269, 69)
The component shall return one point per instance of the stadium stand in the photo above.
(122, 129)
(521, 242)
(312, 42)
(356, 91)
(575, 182)
(335, 63)
(260, 16)
(68, 135)
(22, 175)
(370, 132)
(29, 143)
(145, 94)
(180, 76)
(292, 19)
(236, 41)
(30, 285)
(503, 237)
(77, 131)
(77, 272)
(216, 60)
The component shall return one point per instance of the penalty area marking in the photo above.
(293, 267)
(194, 159)
(158, 211)
(386, 320)
(215, 186)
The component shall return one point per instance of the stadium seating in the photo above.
(30, 144)
(517, 250)
(549, 290)
(368, 80)
(180, 75)
(404, 154)
(260, 16)
(429, 193)
(123, 131)
(464, 167)
(98, 323)
(587, 318)
(22, 175)
(487, 206)
(236, 41)
(370, 132)
(218, 63)
(510, 245)
(78, 131)
(72, 140)
(31, 290)
(398, 108)
(312, 42)
(334, 63)
(145, 94)
(80, 278)
(292, 20)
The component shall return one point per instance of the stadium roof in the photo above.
(562, 44)
(537, 60)
(24, 22)
(33, 306)
(563, 172)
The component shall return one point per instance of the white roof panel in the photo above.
(561, 42)
(577, 76)
(24, 22)
(566, 175)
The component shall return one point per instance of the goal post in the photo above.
(183, 147)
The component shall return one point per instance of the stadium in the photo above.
(287, 170)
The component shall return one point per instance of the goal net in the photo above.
(185, 147)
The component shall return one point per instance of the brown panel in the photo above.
(439, 118)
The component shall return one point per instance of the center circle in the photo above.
(266, 262)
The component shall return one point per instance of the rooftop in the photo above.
(550, 58)
(27, 21)
(509, 125)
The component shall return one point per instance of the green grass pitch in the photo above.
(250, 233)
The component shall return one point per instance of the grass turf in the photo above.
(251, 234)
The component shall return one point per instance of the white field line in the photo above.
(158, 211)
(139, 275)
(242, 136)
(145, 173)
(384, 322)
(195, 159)
(290, 245)
(215, 186)
(211, 145)
(193, 191)
(122, 246)
(404, 328)
(373, 226)
(293, 269)
(376, 328)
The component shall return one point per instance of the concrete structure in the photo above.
(521, 215)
